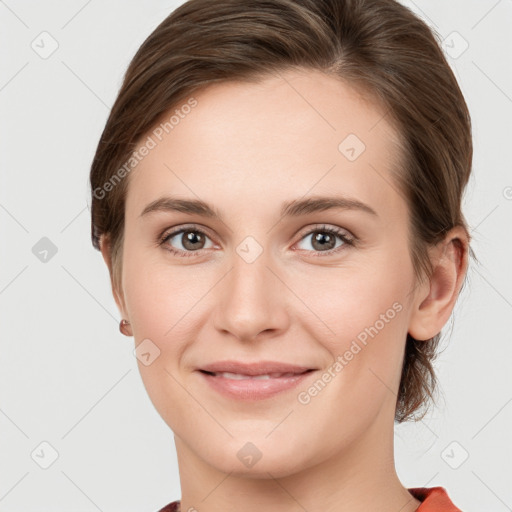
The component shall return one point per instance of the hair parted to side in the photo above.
(378, 46)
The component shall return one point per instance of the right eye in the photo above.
(191, 239)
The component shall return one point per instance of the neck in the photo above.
(358, 478)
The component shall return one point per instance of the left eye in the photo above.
(324, 239)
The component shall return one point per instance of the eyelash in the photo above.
(347, 241)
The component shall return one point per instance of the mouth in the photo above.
(256, 381)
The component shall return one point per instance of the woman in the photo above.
(277, 195)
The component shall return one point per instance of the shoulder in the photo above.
(171, 507)
(433, 499)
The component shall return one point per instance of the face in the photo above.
(327, 289)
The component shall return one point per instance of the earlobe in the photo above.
(436, 299)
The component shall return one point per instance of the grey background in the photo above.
(70, 379)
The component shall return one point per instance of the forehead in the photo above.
(281, 137)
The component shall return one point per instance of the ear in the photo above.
(436, 298)
(105, 247)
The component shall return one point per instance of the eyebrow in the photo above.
(293, 208)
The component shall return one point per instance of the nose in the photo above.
(252, 300)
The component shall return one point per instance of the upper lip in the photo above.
(257, 368)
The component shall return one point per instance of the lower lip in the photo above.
(253, 389)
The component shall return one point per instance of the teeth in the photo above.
(239, 376)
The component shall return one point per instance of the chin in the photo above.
(262, 470)
(256, 459)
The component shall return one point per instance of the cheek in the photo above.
(369, 319)
(159, 296)
(166, 305)
(160, 300)
(364, 319)
(352, 302)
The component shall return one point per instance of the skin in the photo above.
(246, 148)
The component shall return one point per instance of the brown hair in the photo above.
(379, 46)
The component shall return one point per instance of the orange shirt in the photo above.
(433, 499)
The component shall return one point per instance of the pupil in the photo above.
(323, 239)
(191, 238)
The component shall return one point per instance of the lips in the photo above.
(254, 381)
